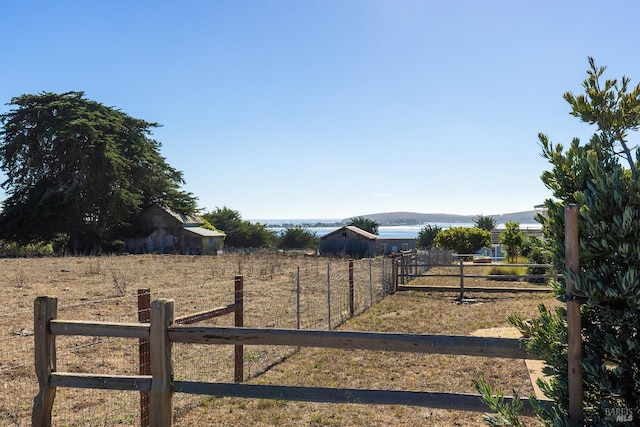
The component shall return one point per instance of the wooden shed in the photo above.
(163, 230)
(349, 241)
(202, 241)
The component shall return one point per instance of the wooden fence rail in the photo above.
(162, 332)
(407, 269)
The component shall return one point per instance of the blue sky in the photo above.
(331, 109)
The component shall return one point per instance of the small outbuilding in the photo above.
(163, 230)
(349, 241)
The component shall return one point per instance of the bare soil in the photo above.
(104, 288)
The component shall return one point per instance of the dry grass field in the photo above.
(104, 288)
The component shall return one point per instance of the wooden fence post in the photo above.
(574, 321)
(329, 295)
(298, 297)
(160, 395)
(461, 298)
(239, 323)
(144, 306)
(45, 309)
(352, 309)
(370, 282)
(394, 275)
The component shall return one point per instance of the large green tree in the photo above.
(78, 168)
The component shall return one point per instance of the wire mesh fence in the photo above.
(280, 291)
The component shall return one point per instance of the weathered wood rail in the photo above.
(162, 332)
(408, 270)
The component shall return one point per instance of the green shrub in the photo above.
(507, 270)
(14, 249)
(463, 240)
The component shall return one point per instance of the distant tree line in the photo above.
(245, 234)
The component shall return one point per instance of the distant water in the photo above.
(384, 231)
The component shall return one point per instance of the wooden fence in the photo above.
(144, 310)
(408, 267)
(162, 332)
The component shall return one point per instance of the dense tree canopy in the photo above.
(298, 237)
(80, 169)
(426, 235)
(240, 233)
(463, 240)
(365, 224)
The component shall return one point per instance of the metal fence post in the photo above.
(351, 290)
(144, 306)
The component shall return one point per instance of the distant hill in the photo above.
(414, 218)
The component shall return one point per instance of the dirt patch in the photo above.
(533, 366)
(498, 332)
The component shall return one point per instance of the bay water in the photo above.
(384, 231)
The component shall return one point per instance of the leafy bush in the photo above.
(463, 240)
(537, 252)
(14, 249)
(512, 238)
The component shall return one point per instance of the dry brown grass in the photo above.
(104, 289)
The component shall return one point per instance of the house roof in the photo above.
(186, 220)
(354, 229)
(204, 232)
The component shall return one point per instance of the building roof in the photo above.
(185, 220)
(204, 232)
(354, 229)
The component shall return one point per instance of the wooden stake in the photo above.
(574, 321)
(238, 374)
(161, 364)
(45, 309)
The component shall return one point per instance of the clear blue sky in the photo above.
(333, 108)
